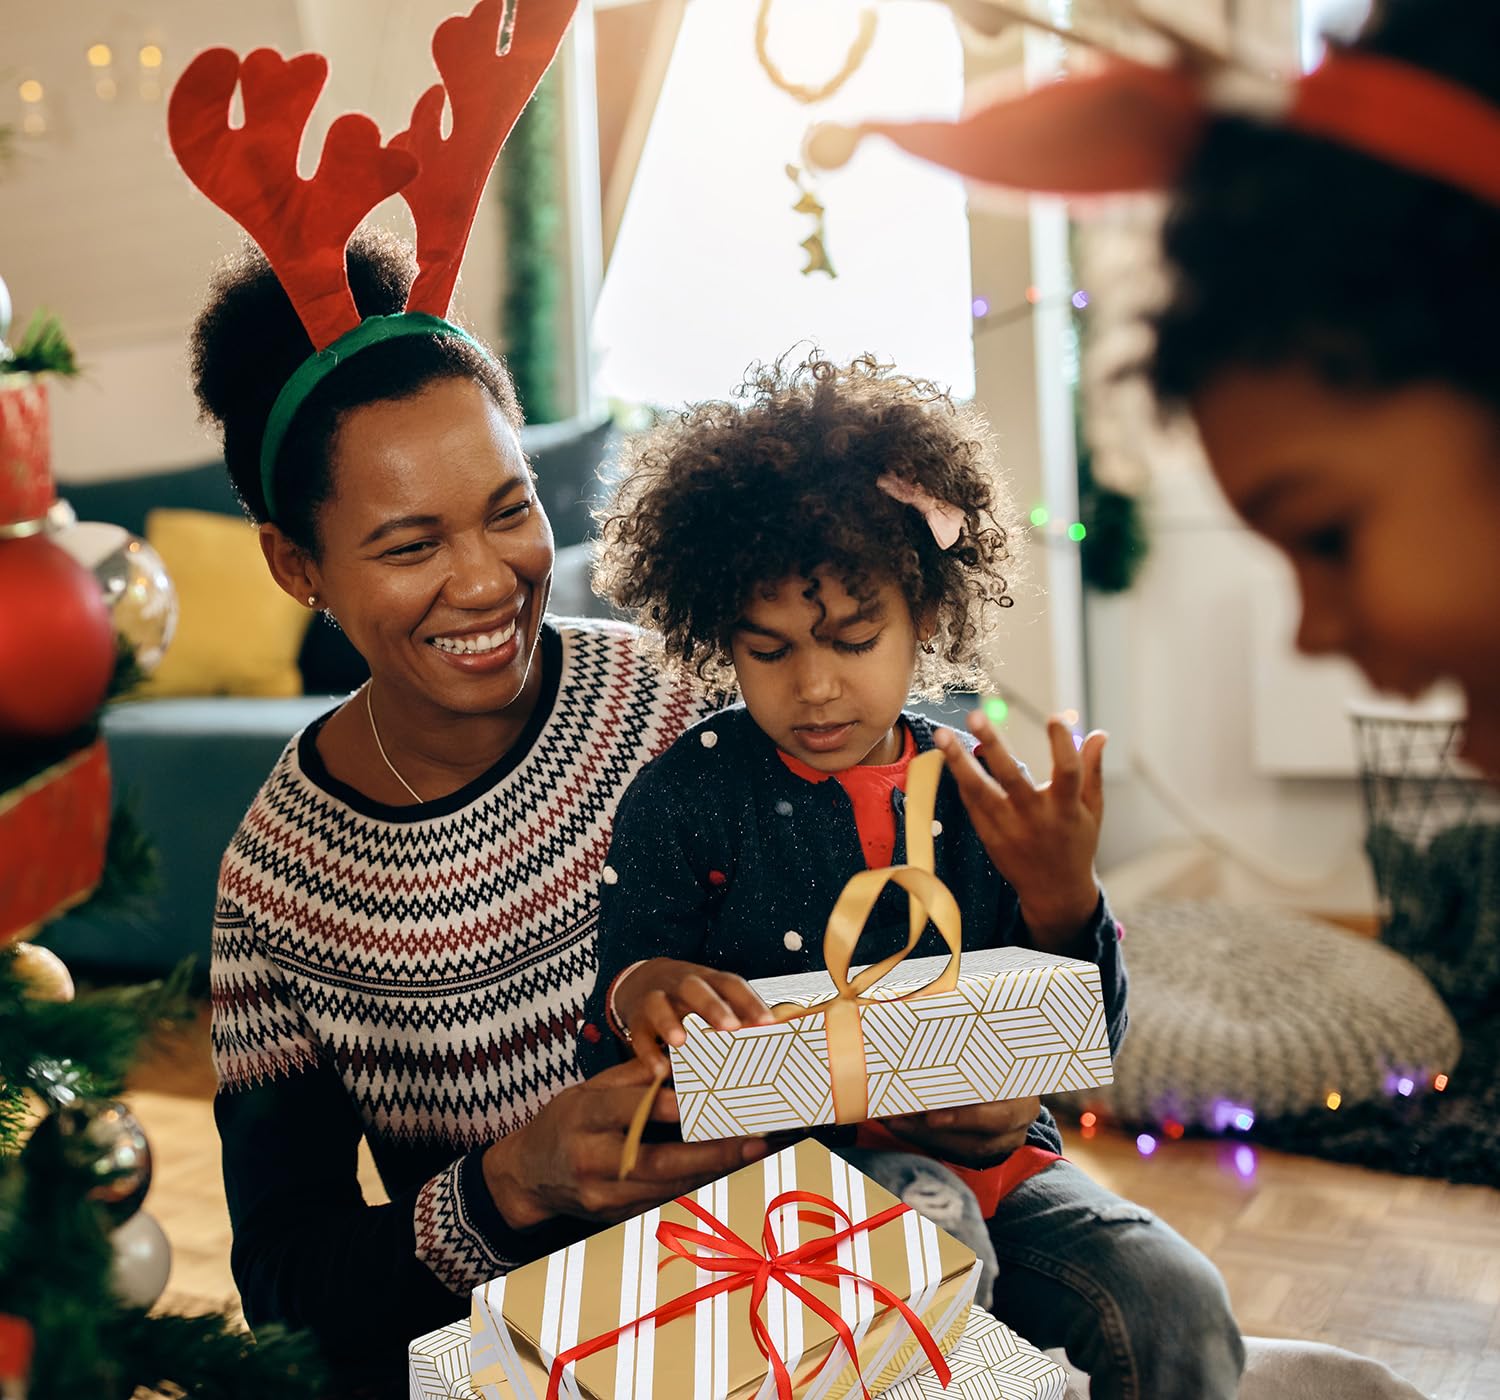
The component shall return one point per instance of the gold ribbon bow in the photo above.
(930, 899)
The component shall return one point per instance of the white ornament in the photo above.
(793, 940)
(143, 1260)
(610, 875)
(708, 738)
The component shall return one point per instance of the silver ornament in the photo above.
(59, 1082)
(137, 589)
(107, 1138)
(143, 1261)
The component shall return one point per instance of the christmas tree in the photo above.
(88, 609)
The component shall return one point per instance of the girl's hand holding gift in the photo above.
(651, 998)
(1043, 839)
(973, 1135)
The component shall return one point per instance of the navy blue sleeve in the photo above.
(656, 895)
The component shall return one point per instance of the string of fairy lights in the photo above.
(1041, 518)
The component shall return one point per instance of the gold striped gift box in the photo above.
(1018, 1023)
(522, 1323)
(989, 1363)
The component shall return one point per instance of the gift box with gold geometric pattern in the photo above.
(989, 1363)
(1016, 1023)
(905, 1035)
(793, 1277)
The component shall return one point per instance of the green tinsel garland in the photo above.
(1116, 544)
(529, 196)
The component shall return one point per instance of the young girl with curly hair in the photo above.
(830, 544)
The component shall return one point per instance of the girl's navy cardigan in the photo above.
(722, 855)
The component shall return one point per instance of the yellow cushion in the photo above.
(237, 632)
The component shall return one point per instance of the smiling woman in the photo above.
(405, 931)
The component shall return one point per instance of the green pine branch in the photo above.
(100, 1032)
(207, 1358)
(44, 349)
(132, 870)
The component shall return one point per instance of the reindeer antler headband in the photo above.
(1132, 127)
(303, 226)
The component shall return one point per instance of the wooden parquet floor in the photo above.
(1399, 1268)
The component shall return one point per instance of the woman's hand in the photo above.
(976, 1135)
(653, 997)
(1042, 839)
(566, 1160)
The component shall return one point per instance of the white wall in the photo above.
(1173, 667)
(103, 228)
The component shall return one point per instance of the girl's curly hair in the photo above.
(726, 496)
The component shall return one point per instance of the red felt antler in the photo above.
(487, 88)
(1129, 127)
(250, 172)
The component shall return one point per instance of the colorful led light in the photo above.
(1145, 1144)
(1334, 1099)
(1440, 1083)
(1040, 516)
(995, 709)
(1077, 531)
(981, 307)
(1244, 1160)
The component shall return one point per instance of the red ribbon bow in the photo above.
(744, 1266)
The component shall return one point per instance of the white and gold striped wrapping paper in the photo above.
(522, 1321)
(1019, 1023)
(989, 1363)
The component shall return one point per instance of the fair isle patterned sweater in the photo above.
(415, 976)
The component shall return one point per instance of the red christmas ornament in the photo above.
(57, 645)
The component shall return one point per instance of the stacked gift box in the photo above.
(794, 1277)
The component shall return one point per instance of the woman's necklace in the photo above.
(375, 734)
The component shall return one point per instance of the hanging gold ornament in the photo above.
(44, 975)
(815, 244)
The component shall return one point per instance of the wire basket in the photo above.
(1433, 839)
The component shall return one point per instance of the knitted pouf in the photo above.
(1236, 1008)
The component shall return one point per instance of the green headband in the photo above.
(373, 330)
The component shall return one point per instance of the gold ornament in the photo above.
(858, 51)
(44, 975)
(815, 244)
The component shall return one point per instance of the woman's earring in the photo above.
(312, 600)
(930, 648)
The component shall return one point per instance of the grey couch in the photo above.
(190, 767)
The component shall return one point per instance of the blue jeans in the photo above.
(1133, 1304)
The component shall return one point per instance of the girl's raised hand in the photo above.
(1042, 838)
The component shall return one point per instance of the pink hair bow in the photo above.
(945, 520)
